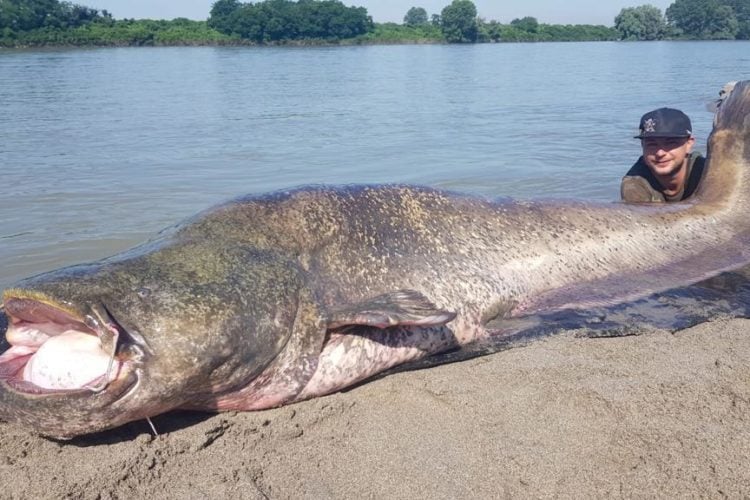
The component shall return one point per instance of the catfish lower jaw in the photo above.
(127, 377)
(54, 350)
(66, 414)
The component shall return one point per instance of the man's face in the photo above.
(665, 155)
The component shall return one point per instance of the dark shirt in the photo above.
(641, 186)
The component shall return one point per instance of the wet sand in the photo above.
(657, 414)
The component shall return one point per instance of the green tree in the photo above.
(703, 19)
(528, 24)
(283, 20)
(641, 23)
(72, 15)
(416, 16)
(489, 31)
(27, 15)
(7, 17)
(741, 9)
(223, 15)
(249, 22)
(459, 22)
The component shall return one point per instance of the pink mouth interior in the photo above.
(51, 351)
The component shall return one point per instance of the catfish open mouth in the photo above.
(54, 349)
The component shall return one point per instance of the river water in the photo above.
(101, 148)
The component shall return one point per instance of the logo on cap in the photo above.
(649, 125)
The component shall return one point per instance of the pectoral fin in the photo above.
(402, 307)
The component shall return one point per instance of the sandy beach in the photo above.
(653, 415)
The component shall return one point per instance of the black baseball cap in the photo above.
(664, 122)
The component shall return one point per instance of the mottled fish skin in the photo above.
(271, 299)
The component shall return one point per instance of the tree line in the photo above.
(686, 19)
(683, 19)
(26, 15)
(279, 20)
(44, 22)
(52, 22)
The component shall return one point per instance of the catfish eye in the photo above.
(143, 292)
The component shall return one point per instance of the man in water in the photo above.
(669, 169)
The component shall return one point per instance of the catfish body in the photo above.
(271, 299)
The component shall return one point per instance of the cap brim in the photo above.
(662, 136)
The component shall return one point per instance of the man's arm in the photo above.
(636, 189)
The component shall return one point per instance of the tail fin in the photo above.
(727, 175)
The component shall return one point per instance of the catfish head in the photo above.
(156, 328)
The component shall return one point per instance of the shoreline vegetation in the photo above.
(52, 23)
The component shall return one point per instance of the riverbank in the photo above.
(185, 32)
(657, 414)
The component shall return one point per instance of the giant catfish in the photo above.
(272, 299)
